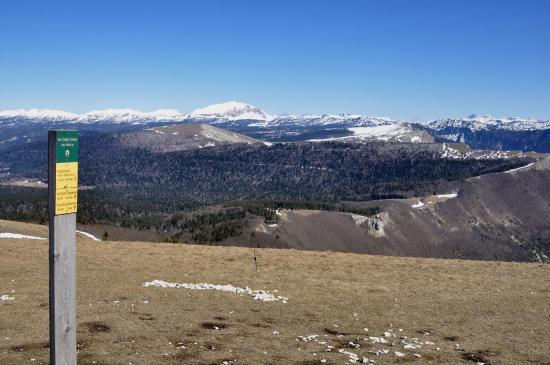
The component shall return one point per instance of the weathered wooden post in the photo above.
(62, 203)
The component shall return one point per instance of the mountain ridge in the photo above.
(479, 132)
(233, 110)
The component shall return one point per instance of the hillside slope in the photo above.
(501, 216)
(181, 137)
(491, 312)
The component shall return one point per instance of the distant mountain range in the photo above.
(480, 132)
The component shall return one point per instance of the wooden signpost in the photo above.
(62, 205)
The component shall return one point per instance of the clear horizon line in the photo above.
(275, 115)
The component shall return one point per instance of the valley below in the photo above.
(197, 183)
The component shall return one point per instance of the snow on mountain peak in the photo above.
(126, 115)
(232, 110)
(111, 115)
(167, 114)
(256, 117)
(40, 114)
(477, 123)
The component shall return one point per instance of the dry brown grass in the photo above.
(498, 312)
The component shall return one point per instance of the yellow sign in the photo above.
(66, 187)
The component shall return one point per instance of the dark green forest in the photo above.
(209, 194)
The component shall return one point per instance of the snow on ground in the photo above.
(381, 132)
(255, 294)
(5, 298)
(448, 196)
(520, 168)
(400, 345)
(359, 219)
(418, 205)
(27, 237)
(384, 132)
(19, 236)
(89, 235)
(209, 144)
(455, 154)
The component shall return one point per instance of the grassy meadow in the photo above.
(421, 311)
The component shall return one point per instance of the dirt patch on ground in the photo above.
(96, 327)
(335, 331)
(213, 325)
(481, 356)
(30, 346)
(451, 338)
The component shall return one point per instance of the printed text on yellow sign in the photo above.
(66, 187)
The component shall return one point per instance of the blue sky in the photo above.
(403, 59)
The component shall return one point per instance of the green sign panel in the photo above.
(66, 146)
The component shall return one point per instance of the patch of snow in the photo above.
(418, 205)
(377, 129)
(19, 236)
(381, 340)
(255, 294)
(379, 352)
(308, 338)
(89, 235)
(520, 168)
(352, 357)
(448, 196)
(359, 219)
(454, 154)
(381, 132)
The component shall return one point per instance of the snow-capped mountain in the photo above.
(131, 116)
(480, 132)
(46, 115)
(354, 120)
(488, 133)
(477, 123)
(231, 110)
(97, 116)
